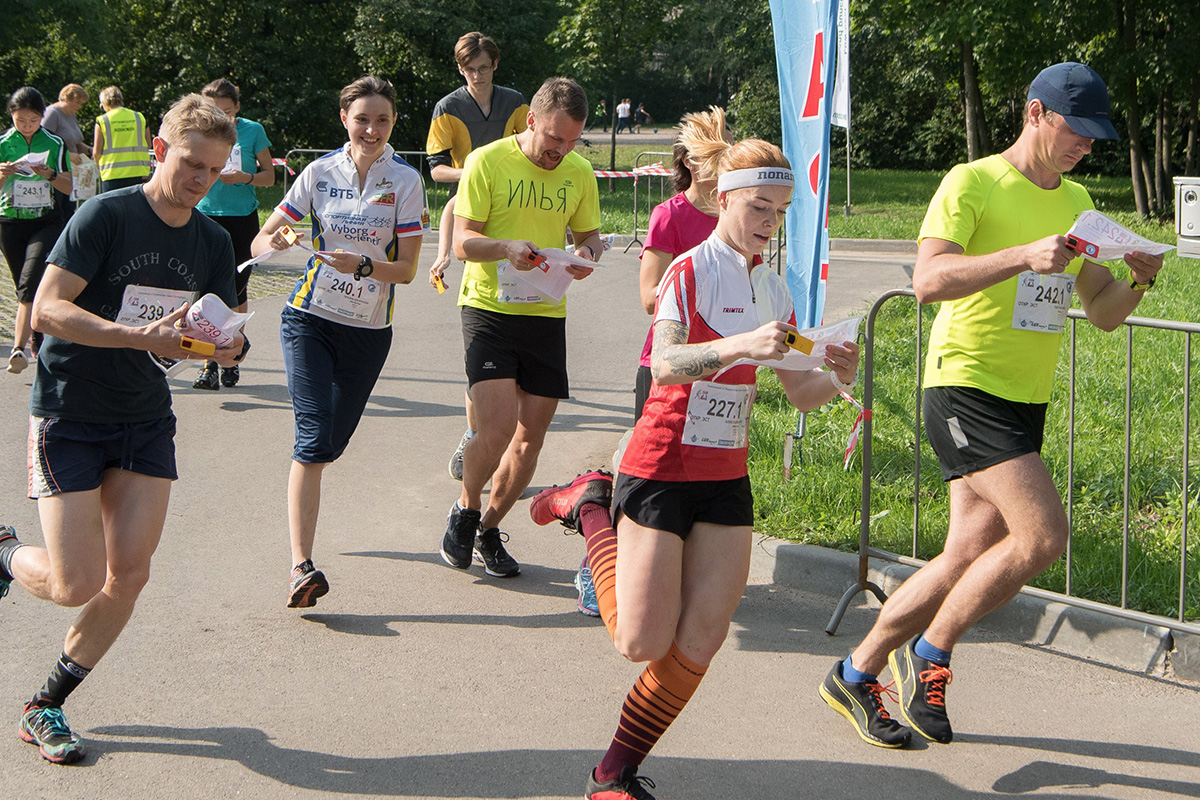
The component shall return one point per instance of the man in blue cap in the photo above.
(993, 251)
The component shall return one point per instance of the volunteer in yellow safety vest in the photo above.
(122, 143)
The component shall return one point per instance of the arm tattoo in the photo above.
(670, 344)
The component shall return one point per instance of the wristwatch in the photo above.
(365, 267)
(1140, 287)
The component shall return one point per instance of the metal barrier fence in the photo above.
(866, 551)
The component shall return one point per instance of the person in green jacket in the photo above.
(31, 161)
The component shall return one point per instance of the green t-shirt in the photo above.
(516, 199)
(31, 196)
(977, 341)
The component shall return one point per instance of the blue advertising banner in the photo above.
(805, 39)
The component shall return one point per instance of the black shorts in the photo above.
(676, 506)
(242, 231)
(971, 429)
(532, 350)
(68, 456)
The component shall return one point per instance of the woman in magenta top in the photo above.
(681, 223)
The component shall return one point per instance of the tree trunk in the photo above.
(1193, 125)
(977, 139)
(1137, 156)
(1162, 156)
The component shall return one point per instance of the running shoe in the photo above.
(628, 786)
(456, 459)
(489, 550)
(17, 361)
(562, 503)
(862, 705)
(587, 590)
(207, 379)
(459, 540)
(308, 583)
(922, 686)
(46, 727)
(8, 537)
(230, 376)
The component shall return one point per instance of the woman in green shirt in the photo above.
(31, 161)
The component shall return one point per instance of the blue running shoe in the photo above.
(587, 590)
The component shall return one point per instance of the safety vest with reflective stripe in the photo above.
(125, 154)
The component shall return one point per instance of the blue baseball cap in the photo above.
(1079, 94)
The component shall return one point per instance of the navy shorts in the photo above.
(531, 350)
(331, 372)
(971, 429)
(68, 456)
(676, 506)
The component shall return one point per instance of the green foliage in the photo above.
(412, 44)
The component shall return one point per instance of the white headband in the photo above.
(755, 176)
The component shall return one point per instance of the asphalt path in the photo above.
(412, 679)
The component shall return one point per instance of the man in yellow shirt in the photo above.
(516, 196)
(993, 251)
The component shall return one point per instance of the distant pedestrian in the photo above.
(623, 118)
(639, 118)
(121, 145)
(600, 115)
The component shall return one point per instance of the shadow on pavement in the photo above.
(1044, 774)
(529, 773)
(534, 579)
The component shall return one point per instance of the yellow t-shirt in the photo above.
(986, 206)
(516, 199)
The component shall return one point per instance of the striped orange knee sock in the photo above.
(659, 695)
(601, 539)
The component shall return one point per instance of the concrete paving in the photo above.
(411, 679)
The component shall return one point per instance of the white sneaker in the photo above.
(17, 362)
(456, 460)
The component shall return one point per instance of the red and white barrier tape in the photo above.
(852, 441)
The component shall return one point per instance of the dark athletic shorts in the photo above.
(67, 456)
(531, 350)
(676, 506)
(971, 429)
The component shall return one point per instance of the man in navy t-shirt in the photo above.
(102, 451)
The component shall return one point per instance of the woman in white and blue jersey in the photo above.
(368, 214)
